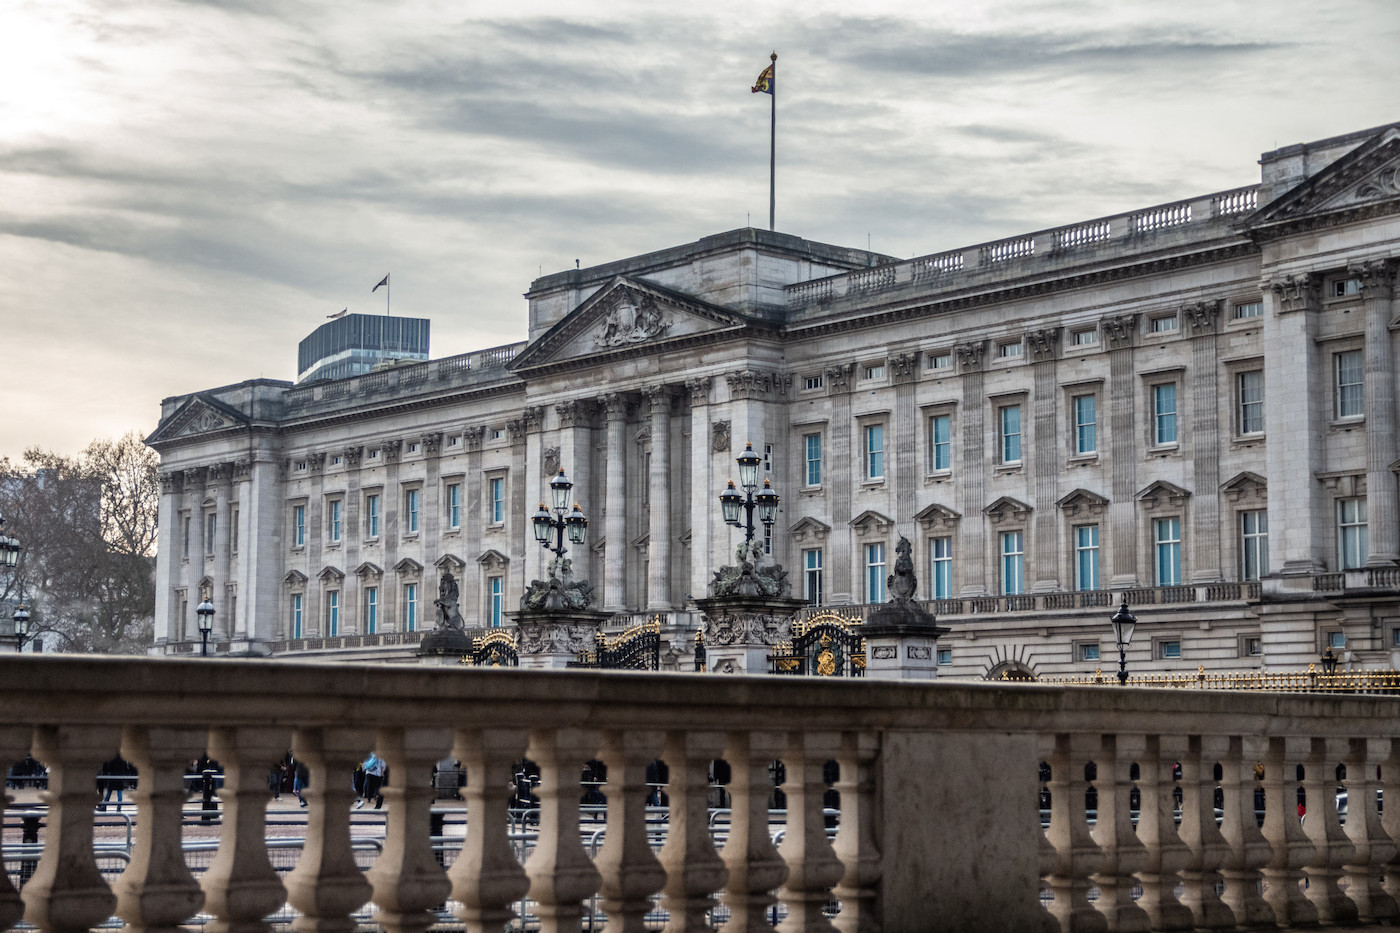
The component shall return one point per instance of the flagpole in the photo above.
(773, 143)
(388, 289)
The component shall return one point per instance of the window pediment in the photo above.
(1083, 501)
(809, 527)
(1245, 486)
(938, 516)
(1007, 507)
(871, 521)
(1163, 493)
(331, 575)
(493, 559)
(368, 569)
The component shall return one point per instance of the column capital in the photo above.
(699, 389)
(615, 405)
(1202, 316)
(1118, 330)
(533, 417)
(838, 378)
(172, 482)
(353, 454)
(432, 443)
(1296, 292)
(569, 412)
(971, 355)
(749, 383)
(1043, 343)
(472, 436)
(392, 449)
(905, 366)
(1377, 277)
(658, 398)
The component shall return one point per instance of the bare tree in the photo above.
(88, 526)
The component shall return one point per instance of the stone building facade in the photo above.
(1193, 403)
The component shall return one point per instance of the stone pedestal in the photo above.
(552, 638)
(444, 646)
(742, 631)
(901, 642)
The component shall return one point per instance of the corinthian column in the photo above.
(659, 531)
(1377, 285)
(615, 521)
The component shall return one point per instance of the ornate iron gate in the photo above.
(636, 649)
(823, 645)
(495, 649)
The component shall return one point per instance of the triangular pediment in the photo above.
(1365, 179)
(1007, 507)
(1246, 485)
(369, 569)
(1163, 493)
(809, 526)
(408, 566)
(199, 414)
(331, 575)
(1082, 500)
(493, 559)
(450, 562)
(627, 317)
(871, 520)
(936, 515)
(294, 578)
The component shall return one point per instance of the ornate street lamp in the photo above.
(731, 503)
(551, 527)
(1123, 624)
(205, 611)
(1329, 662)
(21, 618)
(9, 548)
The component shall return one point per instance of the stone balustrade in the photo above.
(961, 806)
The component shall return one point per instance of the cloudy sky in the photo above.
(189, 188)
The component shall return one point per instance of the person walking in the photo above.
(375, 769)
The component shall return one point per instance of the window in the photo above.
(1167, 535)
(1353, 546)
(495, 594)
(1163, 325)
(1249, 309)
(1013, 581)
(454, 505)
(372, 516)
(813, 382)
(374, 454)
(453, 441)
(875, 573)
(1350, 393)
(333, 523)
(298, 526)
(875, 451)
(1252, 647)
(185, 539)
(940, 361)
(941, 571)
(410, 511)
(410, 607)
(1086, 338)
(1088, 652)
(296, 615)
(1336, 640)
(768, 539)
(940, 439)
(875, 371)
(1086, 425)
(211, 532)
(1169, 649)
(1254, 544)
(1164, 413)
(1086, 557)
(812, 576)
(1010, 418)
(1250, 387)
(945, 655)
(371, 610)
(1009, 350)
(335, 461)
(1343, 288)
(767, 458)
(333, 613)
(496, 500)
(812, 443)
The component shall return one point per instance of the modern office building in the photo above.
(355, 344)
(1192, 404)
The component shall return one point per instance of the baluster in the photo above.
(755, 868)
(694, 870)
(14, 744)
(327, 885)
(1291, 847)
(813, 868)
(1200, 833)
(1166, 854)
(1390, 818)
(1331, 847)
(855, 838)
(407, 879)
(486, 877)
(1374, 847)
(157, 891)
(1249, 850)
(1077, 856)
(66, 892)
(1123, 853)
(630, 870)
(561, 873)
(240, 886)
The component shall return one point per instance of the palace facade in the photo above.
(1192, 404)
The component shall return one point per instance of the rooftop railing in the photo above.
(958, 807)
(466, 368)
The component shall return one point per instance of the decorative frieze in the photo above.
(749, 383)
(1297, 292)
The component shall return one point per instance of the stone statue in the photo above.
(449, 616)
(902, 583)
(747, 576)
(560, 591)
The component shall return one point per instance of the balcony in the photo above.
(959, 807)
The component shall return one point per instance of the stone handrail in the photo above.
(949, 268)
(939, 787)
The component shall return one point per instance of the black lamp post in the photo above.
(21, 618)
(205, 611)
(765, 502)
(1329, 662)
(1123, 624)
(550, 528)
(9, 548)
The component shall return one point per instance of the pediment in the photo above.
(809, 526)
(1366, 178)
(937, 516)
(1082, 500)
(626, 316)
(450, 562)
(492, 559)
(295, 578)
(871, 519)
(369, 569)
(200, 414)
(1007, 507)
(1246, 485)
(331, 575)
(408, 566)
(1162, 492)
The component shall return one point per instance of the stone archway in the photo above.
(1013, 672)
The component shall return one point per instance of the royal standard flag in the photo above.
(764, 84)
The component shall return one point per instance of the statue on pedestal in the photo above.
(449, 616)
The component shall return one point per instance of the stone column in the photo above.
(262, 551)
(390, 536)
(576, 458)
(430, 513)
(659, 529)
(524, 439)
(615, 518)
(1045, 462)
(313, 621)
(973, 468)
(531, 482)
(905, 370)
(1121, 545)
(1382, 519)
(220, 476)
(167, 517)
(470, 585)
(845, 479)
(703, 492)
(1204, 440)
(352, 607)
(243, 574)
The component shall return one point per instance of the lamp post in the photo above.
(9, 549)
(1329, 662)
(1123, 624)
(764, 502)
(551, 527)
(205, 611)
(21, 619)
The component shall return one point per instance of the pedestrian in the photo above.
(375, 770)
(275, 776)
(301, 777)
(115, 776)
